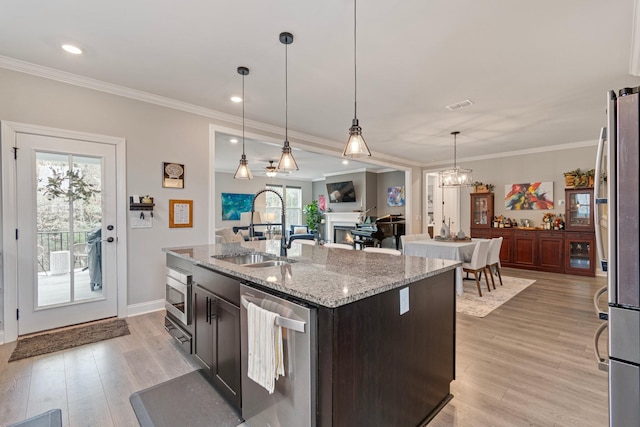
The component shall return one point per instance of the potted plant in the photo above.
(571, 178)
(312, 216)
(590, 177)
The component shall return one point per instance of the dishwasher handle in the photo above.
(283, 322)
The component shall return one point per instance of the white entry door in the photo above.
(65, 198)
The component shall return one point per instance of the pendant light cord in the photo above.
(355, 65)
(243, 102)
(286, 92)
(454, 151)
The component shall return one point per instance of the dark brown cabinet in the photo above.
(579, 253)
(217, 332)
(579, 209)
(506, 250)
(481, 210)
(551, 251)
(524, 243)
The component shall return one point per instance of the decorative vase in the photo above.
(445, 232)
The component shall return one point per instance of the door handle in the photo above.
(603, 315)
(109, 239)
(603, 364)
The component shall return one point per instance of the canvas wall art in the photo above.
(233, 204)
(395, 196)
(529, 196)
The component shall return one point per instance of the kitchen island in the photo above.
(385, 332)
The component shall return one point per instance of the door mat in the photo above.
(479, 306)
(69, 338)
(188, 400)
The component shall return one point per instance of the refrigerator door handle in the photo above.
(598, 199)
(603, 364)
(602, 315)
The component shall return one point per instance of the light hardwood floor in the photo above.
(528, 363)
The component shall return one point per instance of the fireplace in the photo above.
(342, 221)
(342, 233)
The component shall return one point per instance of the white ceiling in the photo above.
(537, 72)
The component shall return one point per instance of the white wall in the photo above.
(548, 166)
(154, 134)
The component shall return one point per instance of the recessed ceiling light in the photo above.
(236, 99)
(345, 162)
(233, 140)
(72, 49)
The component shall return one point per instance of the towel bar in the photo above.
(284, 322)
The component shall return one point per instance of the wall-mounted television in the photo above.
(340, 192)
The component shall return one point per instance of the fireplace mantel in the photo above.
(339, 218)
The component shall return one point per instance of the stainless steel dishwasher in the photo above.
(293, 403)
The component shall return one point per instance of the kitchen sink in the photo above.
(254, 260)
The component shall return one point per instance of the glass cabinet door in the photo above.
(481, 209)
(579, 211)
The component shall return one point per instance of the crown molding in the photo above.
(305, 140)
(536, 150)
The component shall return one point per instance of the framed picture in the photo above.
(395, 196)
(233, 204)
(172, 175)
(528, 196)
(180, 213)
(322, 202)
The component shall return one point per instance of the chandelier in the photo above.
(456, 177)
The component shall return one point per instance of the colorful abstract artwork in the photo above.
(535, 195)
(234, 204)
(395, 196)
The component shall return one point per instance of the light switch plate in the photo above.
(404, 300)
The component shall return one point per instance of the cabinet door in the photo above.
(506, 250)
(203, 348)
(551, 251)
(226, 344)
(579, 210)
(481, 210)
(525, 248)
(580, 254)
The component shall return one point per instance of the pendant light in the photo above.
(356, 146)
(271, 170)
(456, 177)
(287, 163)
(243, 171)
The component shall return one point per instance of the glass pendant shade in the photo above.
(455, 177)
(287, 163)
(243, 171)
(356, 146)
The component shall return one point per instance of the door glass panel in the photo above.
(580, 255)
(68, 225)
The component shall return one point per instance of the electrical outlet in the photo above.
(561, 202)
(404, 300)
(418, 217)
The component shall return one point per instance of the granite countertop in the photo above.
(328, 277)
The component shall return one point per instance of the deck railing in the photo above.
(52, 241)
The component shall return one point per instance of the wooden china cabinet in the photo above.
(481, 210)
(579, 241)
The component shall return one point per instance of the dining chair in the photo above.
(338, 246)
(478, 263)
(493, 259)
(388, 251)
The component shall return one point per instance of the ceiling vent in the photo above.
(459, 105)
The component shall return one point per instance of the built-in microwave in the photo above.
(178, 294)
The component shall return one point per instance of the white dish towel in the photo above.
(265, 347)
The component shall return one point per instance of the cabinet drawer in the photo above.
(217, 283)
(501, 232)
(525, 233)
(578, 235)
(481, 233)
(551, 234)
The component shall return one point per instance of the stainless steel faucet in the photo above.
(283, 239)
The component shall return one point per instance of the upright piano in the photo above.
(374, 230)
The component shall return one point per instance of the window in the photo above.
(293, 199)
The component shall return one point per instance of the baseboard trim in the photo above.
(145, 307)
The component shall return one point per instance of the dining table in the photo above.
(443, 249)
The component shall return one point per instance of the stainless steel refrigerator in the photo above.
(620, 146)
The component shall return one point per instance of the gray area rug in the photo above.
(188, 400)
(479, 306)
(69, 338)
